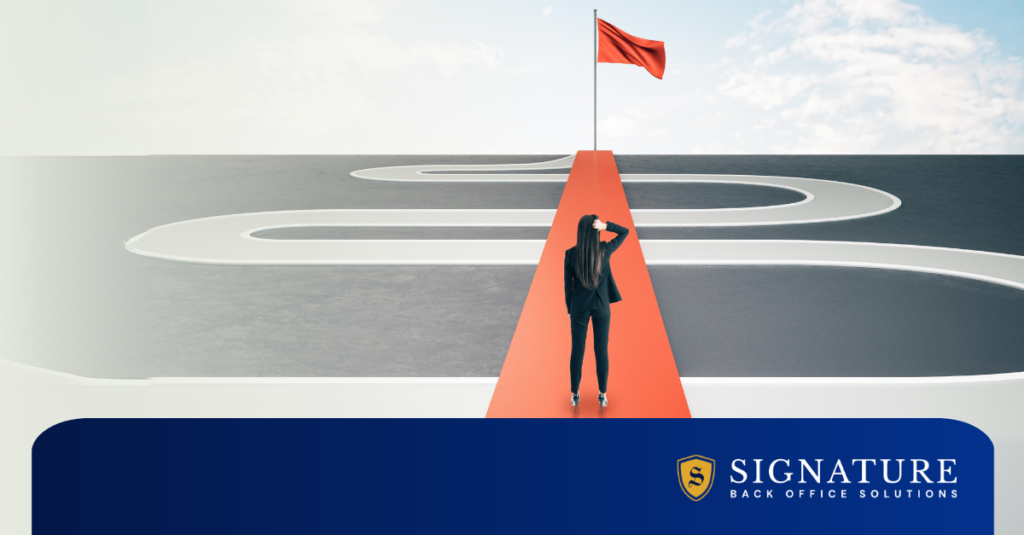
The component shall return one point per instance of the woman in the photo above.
(589, 290)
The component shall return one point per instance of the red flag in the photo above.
(617, 46)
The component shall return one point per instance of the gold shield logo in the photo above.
(696, 474)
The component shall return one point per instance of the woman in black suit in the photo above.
(589, 290)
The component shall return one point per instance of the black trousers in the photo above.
(601, 318)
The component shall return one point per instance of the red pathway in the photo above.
(642, 381)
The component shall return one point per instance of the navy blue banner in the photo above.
(613, 476)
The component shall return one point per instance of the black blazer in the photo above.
(577, 297)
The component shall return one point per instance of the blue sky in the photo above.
(471, 77)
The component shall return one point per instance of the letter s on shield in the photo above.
(696, 474)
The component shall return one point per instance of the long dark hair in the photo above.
(588, 252)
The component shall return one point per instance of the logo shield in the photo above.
(696, 474)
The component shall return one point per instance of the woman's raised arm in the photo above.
(616, 241)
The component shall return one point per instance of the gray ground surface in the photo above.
(804, 321)
(966, 202)
(75, 300)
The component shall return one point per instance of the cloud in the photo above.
(450, 56)
(876, 76)
(547, 11)
(629, 122)
(301, 89)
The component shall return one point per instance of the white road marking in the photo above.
(825, 200)
(417, 173)
(232, 246)
(228, 239)
(998, 268)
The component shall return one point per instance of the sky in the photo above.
(111, 77)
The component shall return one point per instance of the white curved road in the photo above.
(228, 239)
(825, 200)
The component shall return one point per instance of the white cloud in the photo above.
(632, 122)
(338, 14)
(300, 91)
(877, 76)
(450, 56)
(736, 41)
(714, 148)
(547, 11)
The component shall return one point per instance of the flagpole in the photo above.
(595, 80)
